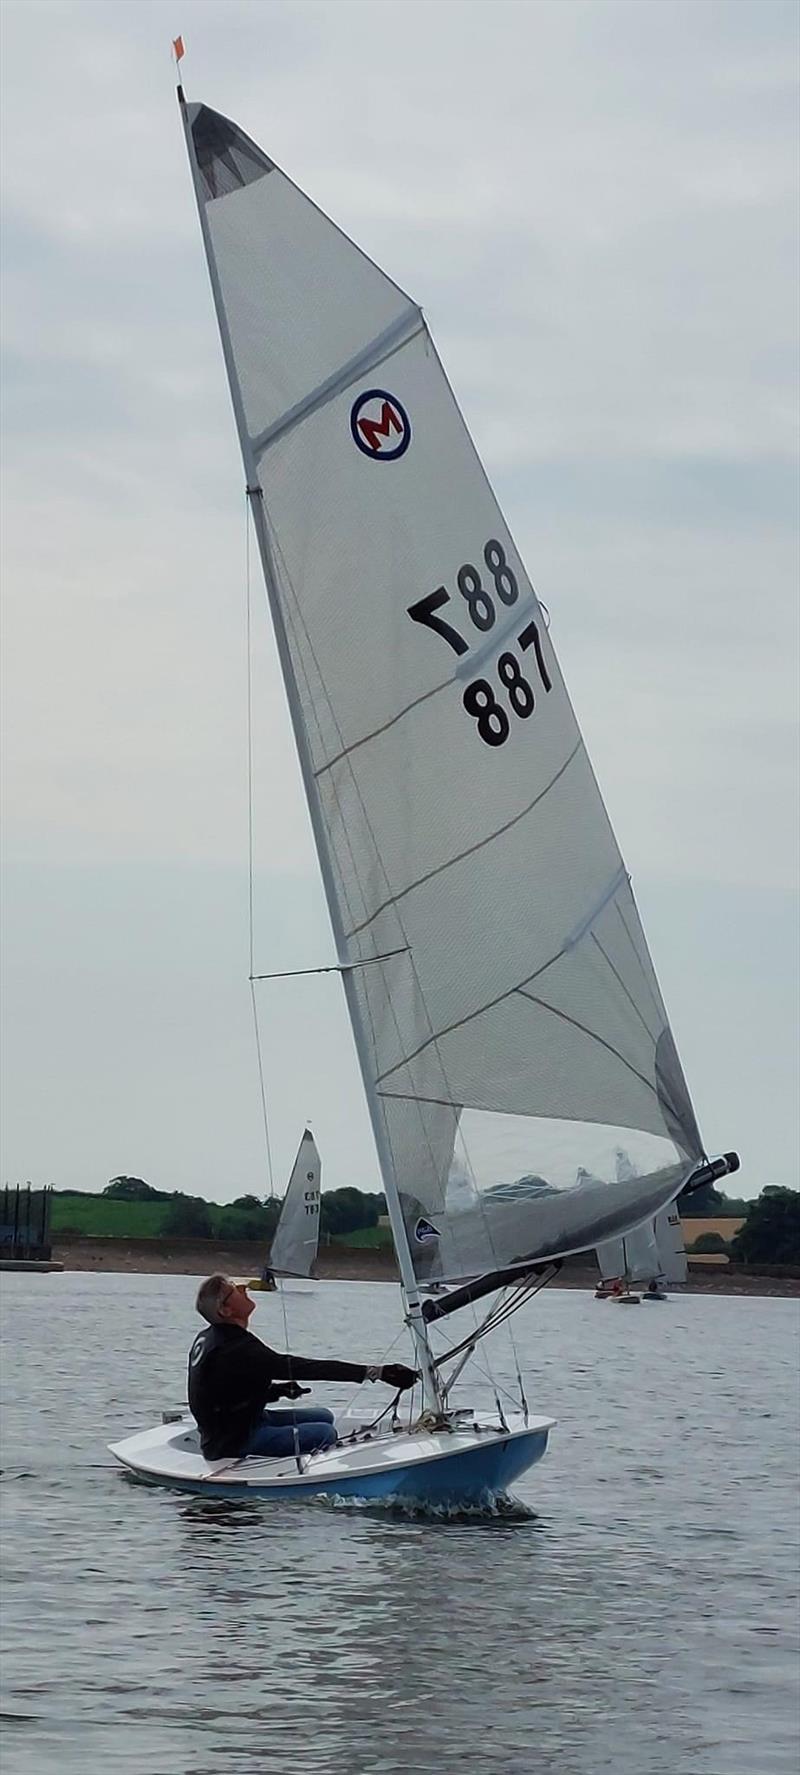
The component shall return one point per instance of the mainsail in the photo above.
(506, 1009)
(294, 1247)
(653, 1252)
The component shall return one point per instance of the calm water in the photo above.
(644, 1619)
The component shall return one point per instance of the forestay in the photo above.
(465, 837)
(294, 1247)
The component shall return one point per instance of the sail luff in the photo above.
(254, 493)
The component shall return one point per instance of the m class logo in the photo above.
(380, 425)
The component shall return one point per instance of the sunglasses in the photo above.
(238, 1288)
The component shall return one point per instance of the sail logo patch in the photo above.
(380, 425)
(424, 1231)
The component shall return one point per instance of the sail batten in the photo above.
(371, 358)
(465, 846)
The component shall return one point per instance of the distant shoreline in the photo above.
(348, 1263)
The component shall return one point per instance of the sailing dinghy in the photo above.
(507, 1018)
(294, 1246)
(651, 1257)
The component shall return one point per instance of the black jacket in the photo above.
(232, 1376)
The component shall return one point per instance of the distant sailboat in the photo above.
(651, 1257)
(294, 1246)
(496, 972)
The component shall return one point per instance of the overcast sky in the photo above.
(595, 203)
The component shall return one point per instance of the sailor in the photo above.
(233, 1377)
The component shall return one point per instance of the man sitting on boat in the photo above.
(233, 1377)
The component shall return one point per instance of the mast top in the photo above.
(178, 52)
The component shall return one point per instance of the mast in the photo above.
(415, 1320)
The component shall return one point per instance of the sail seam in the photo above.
(591, 918)
(660, 1096)
(369, 358)
(648, 983)
(592, 1034)
(375, 732)
(490, 1005)
(470, 852)
(621, 984)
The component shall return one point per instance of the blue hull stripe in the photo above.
(468, 1477)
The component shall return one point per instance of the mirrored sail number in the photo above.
(480, 698)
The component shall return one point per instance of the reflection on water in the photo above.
(635, 1615)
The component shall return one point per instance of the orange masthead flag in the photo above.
(177, 45)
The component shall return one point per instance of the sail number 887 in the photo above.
(480, 698)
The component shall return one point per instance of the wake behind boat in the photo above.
(507, 1018)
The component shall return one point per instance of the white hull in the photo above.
(469, 1463)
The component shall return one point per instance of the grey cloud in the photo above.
(595, 203)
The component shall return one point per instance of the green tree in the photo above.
(347, 1210)
(251, 1203)
(133, 1189)
(771, 1232)
(708, 1242)
(708, 1203)
(236, 1223)
(188, 1217)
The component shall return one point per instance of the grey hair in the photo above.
(209, 1297)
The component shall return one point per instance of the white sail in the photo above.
(462, 835)
(653, 1252)
(294, 1247)
(673, 1267)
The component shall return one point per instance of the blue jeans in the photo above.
(287, 1432)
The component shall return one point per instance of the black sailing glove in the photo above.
(395, 1375)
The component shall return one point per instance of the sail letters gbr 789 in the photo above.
(479, 698)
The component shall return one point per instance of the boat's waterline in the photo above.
(470, 1463)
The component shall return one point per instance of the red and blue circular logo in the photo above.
(380, 425)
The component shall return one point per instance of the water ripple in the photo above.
(634, 1611)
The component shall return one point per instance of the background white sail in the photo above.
(466, 834)
(669, 1243)
(294, 1247)
(652, 1252)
